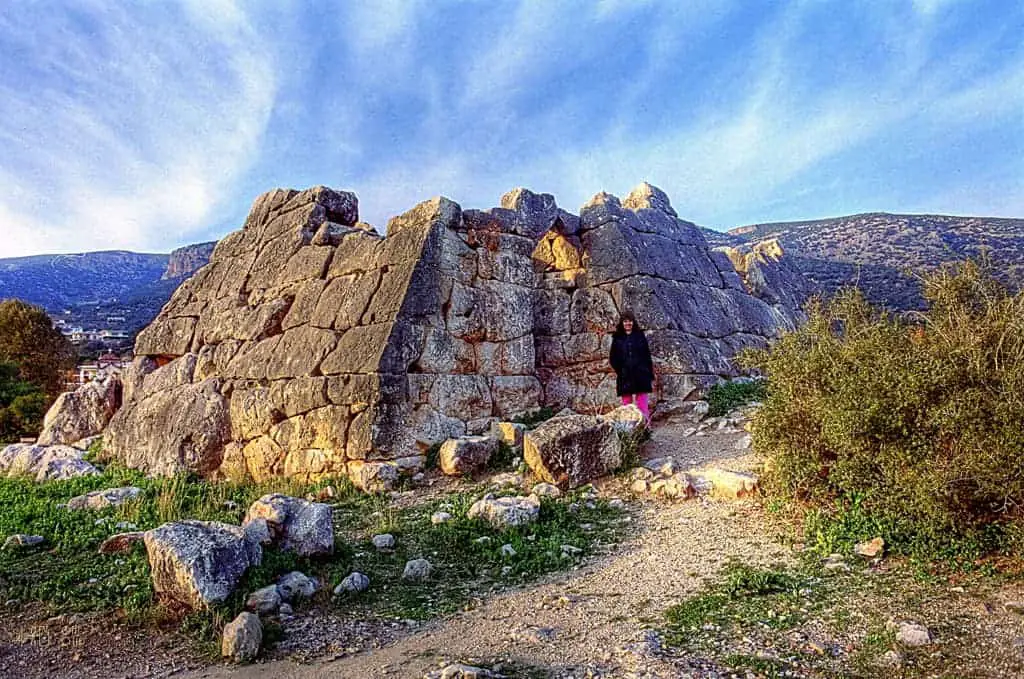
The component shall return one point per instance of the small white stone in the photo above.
(353, 582)
(384, 541)
(508, 550)
(417, 569)
(438, 518)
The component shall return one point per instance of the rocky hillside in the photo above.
(89, 288)
(878, 251)
(59, 281)
(188, 259)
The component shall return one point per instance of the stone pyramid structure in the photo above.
(310, 345)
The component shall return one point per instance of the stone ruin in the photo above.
(310, 345)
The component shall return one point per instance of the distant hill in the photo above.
(87, 289)
(879, 251)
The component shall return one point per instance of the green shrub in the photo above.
(724, 397)
(914, 423)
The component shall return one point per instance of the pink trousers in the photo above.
(641, 403)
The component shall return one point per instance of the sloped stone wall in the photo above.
(310, 345)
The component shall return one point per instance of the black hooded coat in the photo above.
(631, 360)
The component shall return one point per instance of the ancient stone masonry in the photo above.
(310, 345)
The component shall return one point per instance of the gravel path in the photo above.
(591, 619)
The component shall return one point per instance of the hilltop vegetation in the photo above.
(878, 251)
(907, 429)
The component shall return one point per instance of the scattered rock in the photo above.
(102, 499)
(22, 541)
(264, 601)
(891, 659)
(466, 454)
(729, 484)
(662, 466)
(459, 671)
(571, 550)
(373, 477)
(437, 518)
(198, 563)
(121, 543)
(44, 463)
(384, 541)
(293, 524)
(547, 490)
(417, 569)
(242, 638)
(570, 451)
(510, 433)
(296, 584)
(616, 503)
(835, 562)
(744, 442)
(699, 411)
(639, 486)
(82, 413)
(508, 550)
(870, 548)
(353, 582)
(534, 635)
(506, 479)
(626, 419)
(913, 634)
(506, 512)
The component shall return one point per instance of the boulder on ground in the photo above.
(626, 419)
(506, 512)
(197, 563)
(913, 634)
(570, 451)
(102, 499)
(293, 524)
(264, 601)
(121, 542)
(373, 477)
(83, 412)
(729, 484)
(547, 490)
(383, 541)
(44, 463)
(242, 638)
(510, 433)
(21, 541)
(417, 569)
(296, 584)
(460, 671)
(466, 454)
(353, 582)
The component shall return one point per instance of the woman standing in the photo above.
(631, 361)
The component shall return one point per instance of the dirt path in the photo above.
(584, 620)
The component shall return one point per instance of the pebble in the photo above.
(384, 541)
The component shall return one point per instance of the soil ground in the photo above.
(592, 621)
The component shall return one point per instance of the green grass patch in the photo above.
(726, 396)
(68, 572)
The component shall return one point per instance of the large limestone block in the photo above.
(515, 395)
(81, 413)
(242, 638)
(198, 563)
(44, 463)
(466, 397)
(166, 337)
(179, 429)
(466, 454)
(573, 450)
(293, 524)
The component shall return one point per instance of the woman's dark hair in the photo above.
(627, 316)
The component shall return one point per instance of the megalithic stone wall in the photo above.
(310, 345)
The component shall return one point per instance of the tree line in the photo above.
(34, 358)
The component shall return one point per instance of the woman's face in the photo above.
(627, 325)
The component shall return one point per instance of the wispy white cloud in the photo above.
(130, 136)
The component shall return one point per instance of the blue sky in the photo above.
(150, 125)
